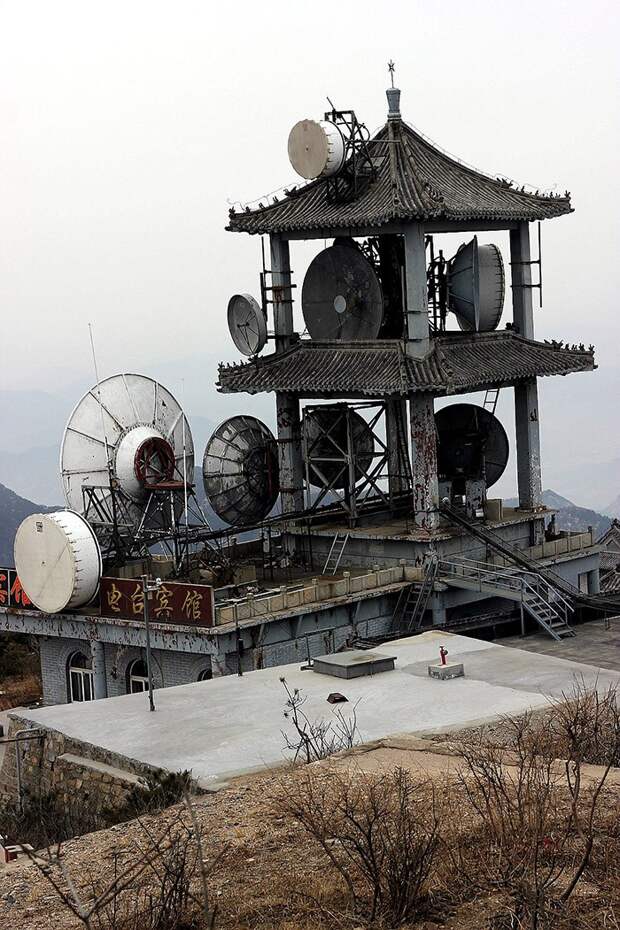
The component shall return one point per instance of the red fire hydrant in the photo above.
(443, 652)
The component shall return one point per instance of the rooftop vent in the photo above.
(353, 664)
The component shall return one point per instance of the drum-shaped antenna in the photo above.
(476, 285)
(472, 444)
(316, 150)
(240, 471)
(341, 296)
(128, 430)
(327, 443)
(247, 324)
(58, 560)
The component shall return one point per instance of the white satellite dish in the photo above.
(58, 560)
(130, 430)
(316, 150)
(247, 324)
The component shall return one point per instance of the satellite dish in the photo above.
(240, 471)
(341, 296)
(128, 430)
(325, 434)
(476, 286)
(247, 324)
(316, 150)
(472, 444)
(58, 560)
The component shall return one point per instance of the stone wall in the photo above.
(77, 771)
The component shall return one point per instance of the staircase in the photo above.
(543, 602)
(413, 601)
(335, 553)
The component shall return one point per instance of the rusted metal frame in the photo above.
(372, 475)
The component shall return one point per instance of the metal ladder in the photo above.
(413, 601)
(544, 603)
(490, 399)
(335, 553)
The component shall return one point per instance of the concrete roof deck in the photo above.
(232, 725)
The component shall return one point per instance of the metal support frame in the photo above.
(361, 486)
(358, 168)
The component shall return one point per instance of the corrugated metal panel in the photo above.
(456, 363)
(420, 183)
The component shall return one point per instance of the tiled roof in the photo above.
(414, 181)
(456, 363)
(610, 583)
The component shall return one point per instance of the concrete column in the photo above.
(529, 479)
(287, 405)
(416, 310)
(526, 394)
(396, 438)
(100, 684)
(281, 293)
(521, 276)
(594, 582)
(424, 460)
(290, 452)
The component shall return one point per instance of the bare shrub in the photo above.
(317, 739)
(152, 890)
(380, 832)
(535, 818)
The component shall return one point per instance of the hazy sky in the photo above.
(128, 127)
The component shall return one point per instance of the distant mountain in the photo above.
(34, 474)
(613, 509)
(569, 516)
(13, 509)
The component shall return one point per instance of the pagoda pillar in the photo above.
(288, 418)
(529, 478)
(424, 460)
(417, 342)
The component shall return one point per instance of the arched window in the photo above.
(80, 676)
(205, 674)
(137, 677)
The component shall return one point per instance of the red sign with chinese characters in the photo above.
(11, 592)
(172, 602)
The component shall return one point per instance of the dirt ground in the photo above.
(268, 858)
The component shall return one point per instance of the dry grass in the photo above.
(20, 691)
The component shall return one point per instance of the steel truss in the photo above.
(334, 464)
(111, 513)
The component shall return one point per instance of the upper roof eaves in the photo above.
(420, 183)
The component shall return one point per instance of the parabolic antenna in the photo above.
(128, 429)
(58, 560)
(240, 471)
(472, 444)
(326, 437)
(476, 285)
(341, 296)
(247, 324)
(316, 150)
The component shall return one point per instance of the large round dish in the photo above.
(316, 150)
(326, 440)
(129, 428)
(240, 471)
(58, 560)
(341, 296)
(472, 444)
(476, 286)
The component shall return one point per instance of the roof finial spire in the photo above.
(393, 95)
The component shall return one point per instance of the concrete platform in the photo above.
(230, 726)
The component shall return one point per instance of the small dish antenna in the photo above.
(247, 324)
(240, 471)
(341, 296)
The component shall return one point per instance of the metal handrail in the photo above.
(531, 579)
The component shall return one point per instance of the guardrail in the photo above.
(320, 589)
(571, 542)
